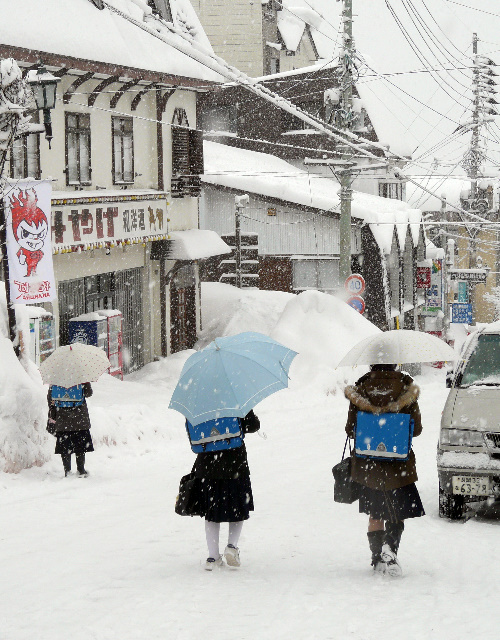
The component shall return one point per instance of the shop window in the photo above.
(220, 119)
(392, 190)
(316, 274)
(78, 170)
(187, 157)
(25, 157)
(123, 151)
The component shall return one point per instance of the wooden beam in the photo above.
(100, 87)
(74, 86)
(138, 96)
(125, 87)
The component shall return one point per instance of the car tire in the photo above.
(451, 506)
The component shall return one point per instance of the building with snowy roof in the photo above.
(290, 231)
(124, 164)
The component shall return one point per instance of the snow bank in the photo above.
(23, 408)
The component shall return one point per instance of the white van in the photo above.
(468, 458)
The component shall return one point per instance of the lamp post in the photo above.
(14, 102)
(44, 87)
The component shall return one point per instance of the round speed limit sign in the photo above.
(355, 284)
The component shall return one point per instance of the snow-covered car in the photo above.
(468, 458)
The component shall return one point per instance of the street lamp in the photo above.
(44, 87)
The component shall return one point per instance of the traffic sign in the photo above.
(357, 303)
(355, 284)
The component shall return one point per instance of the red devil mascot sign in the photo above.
(28, 243)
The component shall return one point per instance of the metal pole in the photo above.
(11, 313)
(237, 251)
(345, 173)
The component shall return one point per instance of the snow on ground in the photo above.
(107, 558)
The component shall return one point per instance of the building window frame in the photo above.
(78, 149)
(122, 136)
(391, 190)
(24, 161)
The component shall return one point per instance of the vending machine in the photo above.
(101, 329)
(42, 340)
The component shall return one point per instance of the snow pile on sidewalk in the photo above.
(23, 408)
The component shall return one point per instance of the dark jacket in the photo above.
(70, 418)
(230, 463)
(382, 392)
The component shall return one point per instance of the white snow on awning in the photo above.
(274, 45)
(196, 244)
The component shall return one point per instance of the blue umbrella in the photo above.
(230, 376)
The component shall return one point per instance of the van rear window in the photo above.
(483, 365)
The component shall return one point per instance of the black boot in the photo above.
(393, 533)
(375, 540)
(80, 465)
(66, 460)
(392, 538)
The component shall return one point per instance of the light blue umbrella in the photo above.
(230, 376)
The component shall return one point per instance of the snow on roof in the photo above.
(451, 188)
(264, 174)
(196, 244)
(80, 30)
(291, 29)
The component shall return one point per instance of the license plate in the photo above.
(471, 485)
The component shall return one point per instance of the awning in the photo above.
(195, 244)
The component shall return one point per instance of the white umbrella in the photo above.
(74, 364)
(398, 347)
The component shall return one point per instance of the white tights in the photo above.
(212, 530)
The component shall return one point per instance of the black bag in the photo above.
(187, 502)
(345, 490)
(51, 422)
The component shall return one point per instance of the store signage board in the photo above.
(423, 277)
(461, 313)
(357, 303)
(82, 222)
(469, 275)
(355, 284)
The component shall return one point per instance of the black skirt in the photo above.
(74, 442)
(225, 500)
(394, 505)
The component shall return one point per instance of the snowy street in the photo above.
(106, 557)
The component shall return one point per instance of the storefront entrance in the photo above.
(121, 290)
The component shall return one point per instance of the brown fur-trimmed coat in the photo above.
(382, 392)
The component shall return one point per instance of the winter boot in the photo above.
(80, 465)
(213, 563)
(66, 460)
(375, 540)
(232, 555)
(392, 538)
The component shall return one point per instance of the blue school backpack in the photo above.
(67, 396)
(215, 435)
(386, 436)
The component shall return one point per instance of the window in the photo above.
(392, 190)
(220, 119)
(316, 274)
(78, 170)
(484, 362)
(25, 157)
(123, 151)
(187, 157)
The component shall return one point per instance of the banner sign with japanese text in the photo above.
(29, 248)
(434, 294)
(83, 222)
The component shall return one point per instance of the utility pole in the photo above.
(240, 202)
(483, 89)
(346, 122)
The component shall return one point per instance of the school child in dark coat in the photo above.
(71, 426)
(225, 494)
(388, 492)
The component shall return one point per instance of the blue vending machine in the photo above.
(90, 328)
